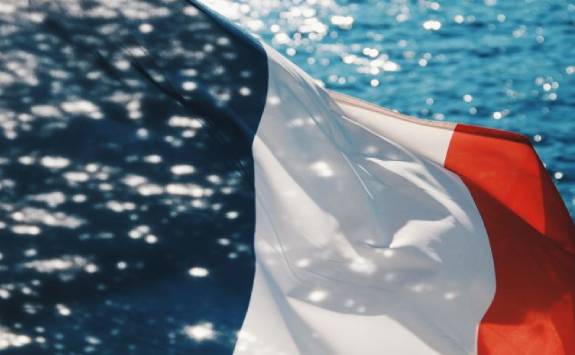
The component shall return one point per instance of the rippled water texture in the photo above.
(502, 64)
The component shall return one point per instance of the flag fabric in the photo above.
(173, 185)
(376, 231)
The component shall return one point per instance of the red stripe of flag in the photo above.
(532, 239)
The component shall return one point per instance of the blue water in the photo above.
(501, 64)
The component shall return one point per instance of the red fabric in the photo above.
(532, 239)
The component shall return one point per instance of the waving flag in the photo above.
(172, 185)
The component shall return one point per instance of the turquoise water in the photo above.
(502, 64)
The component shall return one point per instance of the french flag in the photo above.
(228, 204)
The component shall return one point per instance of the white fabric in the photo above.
(364, 243)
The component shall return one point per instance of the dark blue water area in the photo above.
(502, 64)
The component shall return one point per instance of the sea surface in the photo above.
(502, 64)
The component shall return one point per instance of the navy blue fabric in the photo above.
(99, 91)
